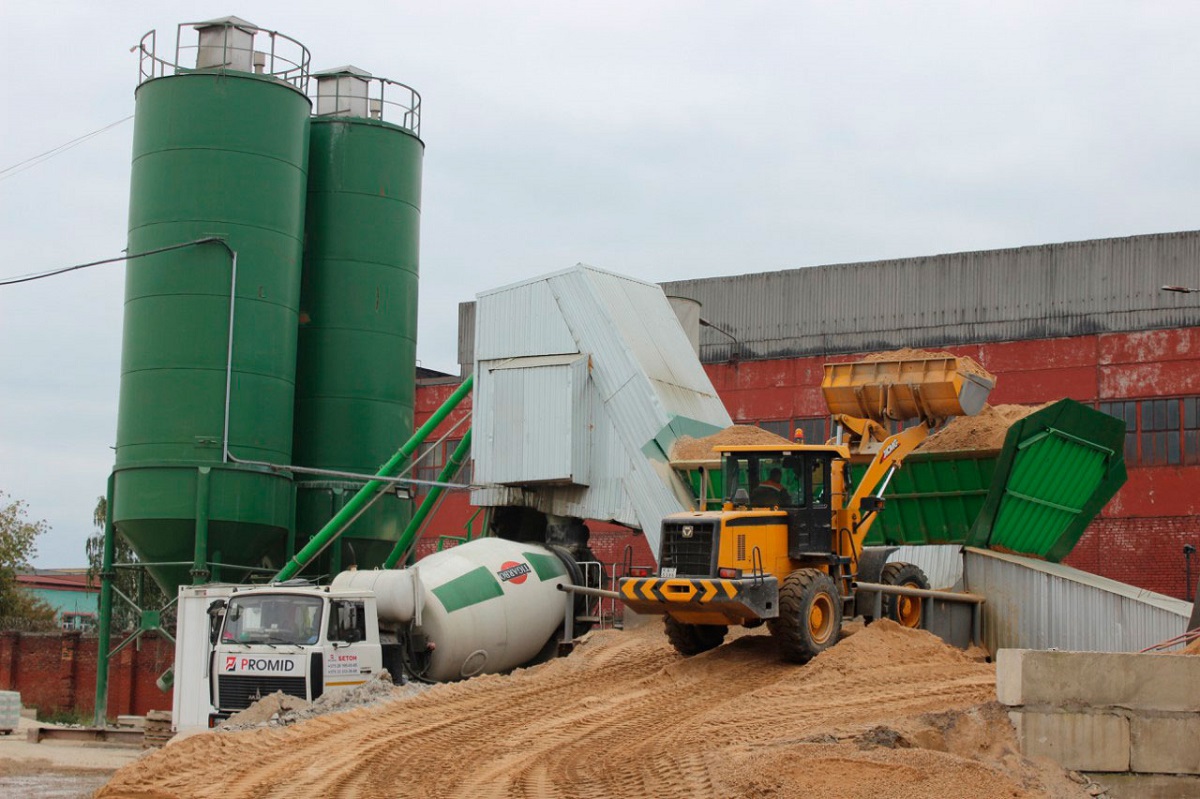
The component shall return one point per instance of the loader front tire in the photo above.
(692, 639)
(810, 615)
(907, 611)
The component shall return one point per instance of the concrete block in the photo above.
(1098, 679)
(1009, 674)
(1149, 786)
(1079, 741)
(1165, 745)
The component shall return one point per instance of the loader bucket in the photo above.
(911, 388)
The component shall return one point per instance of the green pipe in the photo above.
(200, 552)
(106, 588)
(335, 526)
(452, 466)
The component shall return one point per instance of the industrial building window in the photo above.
(783, 428)
(431, 466)
(1191, 430)
(1159, 432)
(814, 429)
(431, 457)
(1127, 412)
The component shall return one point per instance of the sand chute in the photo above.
(907, 385)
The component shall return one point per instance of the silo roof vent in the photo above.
(342, 91)
(226, 43)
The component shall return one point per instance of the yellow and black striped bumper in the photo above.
(717, 600)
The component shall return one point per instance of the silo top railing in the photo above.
(386, 100)
(285, 59)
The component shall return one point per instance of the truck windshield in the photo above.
(272, 619)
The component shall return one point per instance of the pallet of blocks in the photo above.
(157, 730)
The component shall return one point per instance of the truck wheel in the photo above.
(907, 611)
(810, 615)
(692, 639)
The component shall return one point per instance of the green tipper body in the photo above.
(226, 155)
(356, 368)
(1036, 496)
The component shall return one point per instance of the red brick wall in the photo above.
(1146, 552)
(57, 672)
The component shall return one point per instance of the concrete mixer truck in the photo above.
(486, 606)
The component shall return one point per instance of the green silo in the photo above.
(220, 150)
(355, 372)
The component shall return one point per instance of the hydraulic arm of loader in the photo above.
(863, 396)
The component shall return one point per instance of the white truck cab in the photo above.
(302, 640)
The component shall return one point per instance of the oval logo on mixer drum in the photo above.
(514, 572)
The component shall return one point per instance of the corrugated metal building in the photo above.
(1085, 320)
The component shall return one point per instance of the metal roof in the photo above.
(1044, 291)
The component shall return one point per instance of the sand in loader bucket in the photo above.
(906, 384)
(965, 364)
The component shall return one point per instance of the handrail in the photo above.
(286, 59)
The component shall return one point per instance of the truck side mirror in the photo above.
(216, 612)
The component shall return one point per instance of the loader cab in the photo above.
(797, 481)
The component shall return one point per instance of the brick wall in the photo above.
(57, 672)
(1146, 552)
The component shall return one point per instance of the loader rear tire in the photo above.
(907, 611)
(810, 615)
(692, 639)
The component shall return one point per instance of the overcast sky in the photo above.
(659, 139)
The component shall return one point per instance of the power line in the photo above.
(33, 161)
(12, 281)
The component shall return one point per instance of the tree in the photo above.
(18, 544)
(130, 582)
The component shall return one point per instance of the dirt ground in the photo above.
(888, 712)
(57, 770)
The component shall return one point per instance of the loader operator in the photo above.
(770, 492)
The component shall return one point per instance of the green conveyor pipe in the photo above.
(335, 526)
(452, 466)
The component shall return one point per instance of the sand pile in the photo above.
(888, 712)
(281, 709)
(701, 449)
(983, 431)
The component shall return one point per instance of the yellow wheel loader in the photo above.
(786, 548)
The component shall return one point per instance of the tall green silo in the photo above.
(355, 373)
(220, 150)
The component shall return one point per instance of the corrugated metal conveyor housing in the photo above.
(1032, 604)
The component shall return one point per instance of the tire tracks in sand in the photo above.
(623, 716)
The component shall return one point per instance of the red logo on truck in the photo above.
(513, 572)
(230, 663)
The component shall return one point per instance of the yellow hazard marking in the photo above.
(629, 588)
(648, 589)
(710, 590)
(730, 588)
